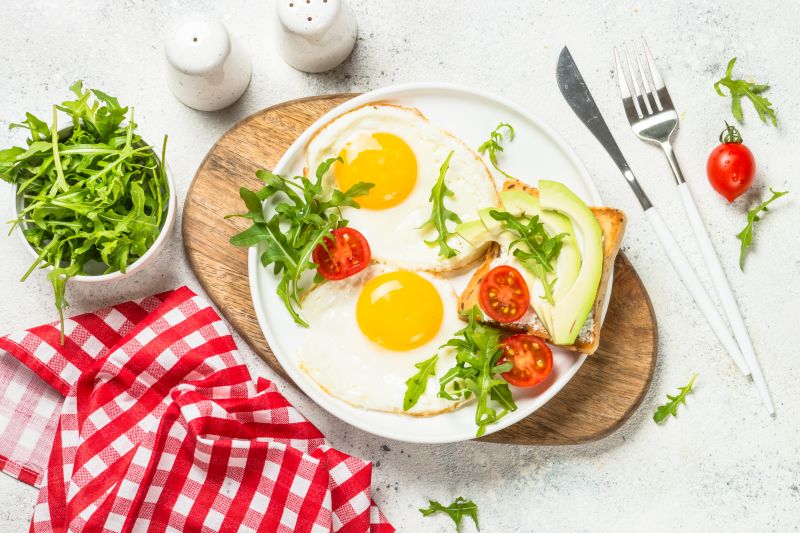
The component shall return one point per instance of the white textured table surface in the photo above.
(723, 465)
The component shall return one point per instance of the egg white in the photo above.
(397, 235)
(349, 366)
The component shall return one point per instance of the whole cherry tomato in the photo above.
(731, 166)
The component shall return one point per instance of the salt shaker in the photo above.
(314, 35)
(206, 67)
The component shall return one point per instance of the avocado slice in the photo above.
(481, 231)
(520, 203)
(474, 232)
(573, 308)
(568, 263)
(495, 227)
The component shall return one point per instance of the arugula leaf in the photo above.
(440, 214)
(301, 220)
(746, 235)
(416, 384)
(671, 407)
(456, 510)
(492, 145)
(739, 88)
(539, 251)
(477, 374)
(94, 195)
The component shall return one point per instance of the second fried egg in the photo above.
(371, 329)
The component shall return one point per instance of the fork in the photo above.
(653, 118)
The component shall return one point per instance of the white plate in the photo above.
(537, 152)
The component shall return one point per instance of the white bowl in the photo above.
(166, 229)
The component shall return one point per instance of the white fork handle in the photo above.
(725, 294)
(692, 283)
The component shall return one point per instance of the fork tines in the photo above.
(650, 95)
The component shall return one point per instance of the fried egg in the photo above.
(368, 331)
(401, 152)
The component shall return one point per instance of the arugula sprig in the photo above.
(302, 218)
(753, 91)
(493, 146)
(671, 407)
(753, 216)
(477, 374)
(95, 195)
(538, 250)
(416, 384)
(440, 214)
(457, 510)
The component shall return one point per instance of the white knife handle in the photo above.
(692, 283)
(725, 294)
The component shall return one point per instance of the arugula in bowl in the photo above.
(92, 197)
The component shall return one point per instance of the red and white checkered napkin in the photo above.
(147, 420)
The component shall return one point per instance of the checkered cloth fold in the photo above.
(146, 419)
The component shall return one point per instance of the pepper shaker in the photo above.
(314, 35)
(207, 69)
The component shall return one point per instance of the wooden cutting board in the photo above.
(597, 401)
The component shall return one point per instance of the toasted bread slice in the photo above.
(612, 222)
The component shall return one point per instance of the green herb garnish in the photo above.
(94, 195)
(539, 250)
(477, 373)
(300, 222)
(416, 384)
(456, 510)
(746, 235)
(492, 145)
(740, 88)
(440, 214)
(671, 407)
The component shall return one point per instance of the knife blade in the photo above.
(577, 95)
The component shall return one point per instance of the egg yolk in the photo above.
(392, 168)
(399, 310)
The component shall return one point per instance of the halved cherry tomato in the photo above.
(504, 294)
(532, 359)
(344, 256)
